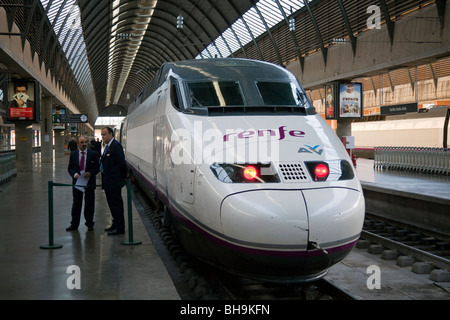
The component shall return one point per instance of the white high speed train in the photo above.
(252, 180)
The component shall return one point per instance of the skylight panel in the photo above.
(269, 11)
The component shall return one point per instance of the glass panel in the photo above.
(270, 12)
(204, 94)
(280, 93)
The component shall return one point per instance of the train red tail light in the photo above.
(250, 172)
(319, 170)
(245, 173)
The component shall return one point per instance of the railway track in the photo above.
(420, 243)
(246, 289)
(206, 283)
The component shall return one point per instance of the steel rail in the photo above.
(418, 254)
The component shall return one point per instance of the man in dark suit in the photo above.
(114, 173)
(83, 163)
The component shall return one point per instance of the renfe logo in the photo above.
(262, 132)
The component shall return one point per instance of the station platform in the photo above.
(420, 199)
(418, 185)
(108, 269)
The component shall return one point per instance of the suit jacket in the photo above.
(92, 165)
(114, 166)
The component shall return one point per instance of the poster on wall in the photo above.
(57, 125)
(330, 101)
(23, 101)
(350, 100)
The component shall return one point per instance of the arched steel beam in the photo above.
(348, 26)
(441, 5)
(292, 33)
(318, 34)
(389, 23)
(249, 32)
(25, 32)
(269, 33)
(53, 36)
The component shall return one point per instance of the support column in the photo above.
(47, 131)
(24, 146)
(59, 143)
(344, 128)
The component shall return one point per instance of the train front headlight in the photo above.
(245, 173)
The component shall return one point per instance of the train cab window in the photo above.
(174, 94)
(280, 93)
(215, 93)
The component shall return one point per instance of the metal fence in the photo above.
(7, 166)
(426, 160)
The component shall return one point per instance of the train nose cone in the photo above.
(336, 216)
(272, 220)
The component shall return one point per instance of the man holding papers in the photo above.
(83, 167)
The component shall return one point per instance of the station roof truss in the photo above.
(103, 52)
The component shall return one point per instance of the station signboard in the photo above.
(70, 118)
(399, 109)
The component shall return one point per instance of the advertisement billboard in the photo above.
(350, 100)
(23, 101)
(330, 101)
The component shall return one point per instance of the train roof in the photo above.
(227, 68)
(248, 72)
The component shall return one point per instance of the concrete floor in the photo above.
(427, 185)
(107, 268)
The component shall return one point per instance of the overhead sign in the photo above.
(70, 118)
(399, 109)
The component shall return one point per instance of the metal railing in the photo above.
(417, 159)
(7, 166)
(52, 245)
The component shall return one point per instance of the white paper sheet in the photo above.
(81, 182)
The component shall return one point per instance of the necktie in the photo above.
(82, 161)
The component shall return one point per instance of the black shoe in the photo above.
(90, 228)
(115, 232)
(71, 228)
(110, 228)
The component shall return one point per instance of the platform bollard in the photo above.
(130, 219)
(50, 244)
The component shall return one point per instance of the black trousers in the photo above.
(115, 203)
(89, 206)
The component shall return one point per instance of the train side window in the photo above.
(175, 95)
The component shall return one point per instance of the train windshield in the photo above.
(215, 93)
(280, 93)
